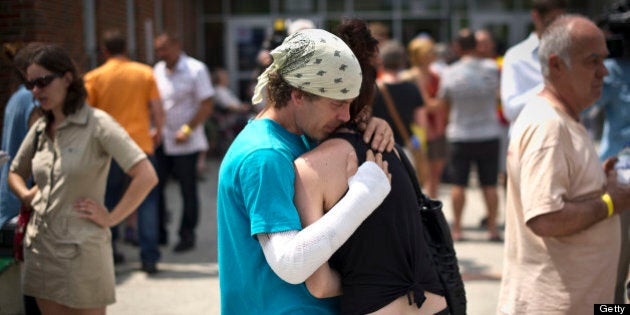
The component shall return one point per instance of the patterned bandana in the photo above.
(317, 62)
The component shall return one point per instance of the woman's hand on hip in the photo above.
(91, 210)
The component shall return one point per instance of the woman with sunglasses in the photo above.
(67, 249)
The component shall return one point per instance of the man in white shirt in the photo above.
(187, 92)
(520, 76)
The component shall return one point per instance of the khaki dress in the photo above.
(68, 259)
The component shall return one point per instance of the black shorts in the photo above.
(484, 154)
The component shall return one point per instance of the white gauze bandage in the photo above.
(295, 255)
(317, 62)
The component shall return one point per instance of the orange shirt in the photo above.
(123, 89)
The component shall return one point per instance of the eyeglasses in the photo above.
(41, 82)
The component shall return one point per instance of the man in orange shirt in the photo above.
(127, 91)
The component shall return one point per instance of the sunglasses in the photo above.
(41, 82)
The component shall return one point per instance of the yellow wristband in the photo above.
(608, 201)
(185, 129)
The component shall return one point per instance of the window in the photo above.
(249, 7)
(421, 5)
(373, 5)
(298, 6)
(335, 5)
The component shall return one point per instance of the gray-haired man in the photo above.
(562, 235)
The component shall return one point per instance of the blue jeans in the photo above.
(184, 169)
(117, 183)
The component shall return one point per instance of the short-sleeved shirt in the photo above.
(15, 126)
(616, 103)
(471, 86)
(520, 76)
(124, 89)
(69, 259)
(182, 90)
(255, 195)
(407, 98)
(551, 161)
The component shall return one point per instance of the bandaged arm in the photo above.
(295, 255)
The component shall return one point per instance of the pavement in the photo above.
(188, 283)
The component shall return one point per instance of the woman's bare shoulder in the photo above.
(328, 166)
(324, 171)
(330, 155)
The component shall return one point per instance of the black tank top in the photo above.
(387, 256)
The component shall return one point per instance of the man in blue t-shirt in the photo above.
(264, 254)
(19, 114)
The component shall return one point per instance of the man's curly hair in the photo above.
(279, 91)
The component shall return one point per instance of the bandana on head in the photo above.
(317, 62)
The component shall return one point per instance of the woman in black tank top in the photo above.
(387, 258)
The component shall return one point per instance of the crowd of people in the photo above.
(315, 211)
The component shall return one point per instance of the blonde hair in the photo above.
(420, 51)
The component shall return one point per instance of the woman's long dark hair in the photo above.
(356, 34)
(54, 59)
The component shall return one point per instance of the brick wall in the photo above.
(145, 10)
(181, 11)
(61, 22)
(109, 15)
(16, 25)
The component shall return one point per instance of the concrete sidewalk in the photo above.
(188, 283)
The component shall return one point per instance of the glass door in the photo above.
(246, 37)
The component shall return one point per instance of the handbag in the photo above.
(413, 144)
(20, 230)
(440, 243)
(13, 231)
(12, 234)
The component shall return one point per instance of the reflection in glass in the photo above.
(249, 40)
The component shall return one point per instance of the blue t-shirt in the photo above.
(15, 126)
(615, 100)
(255, 195)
